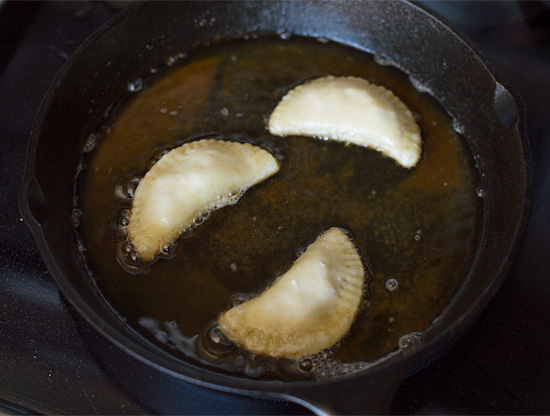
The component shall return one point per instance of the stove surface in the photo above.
(501, 365)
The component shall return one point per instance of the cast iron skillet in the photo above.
(397, 32)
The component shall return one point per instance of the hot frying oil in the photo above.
(416, 229)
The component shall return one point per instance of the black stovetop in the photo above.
(501, 365)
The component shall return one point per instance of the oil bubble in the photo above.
(123, 218)
(128, 247)
(130, 261)
(170, 60)
(214, 342)
(130, 185)
(168, 250)
(135, 86)
(238, 299)
(90, 144)
(457, 127)
(285, 35)
(391, 284)
(159, 154)
(306, 365)
(480, 192)
(75, 217)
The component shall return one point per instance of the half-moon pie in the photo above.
(309, 308)
(352, 110)
(190, 180)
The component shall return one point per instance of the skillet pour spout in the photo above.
(398, 33)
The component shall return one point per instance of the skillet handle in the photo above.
(367, 393)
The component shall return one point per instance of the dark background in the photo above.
(501, 365)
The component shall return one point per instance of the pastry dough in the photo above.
(351, 110)
(190, 180)
(309, 308)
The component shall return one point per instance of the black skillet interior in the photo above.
(399, 34)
